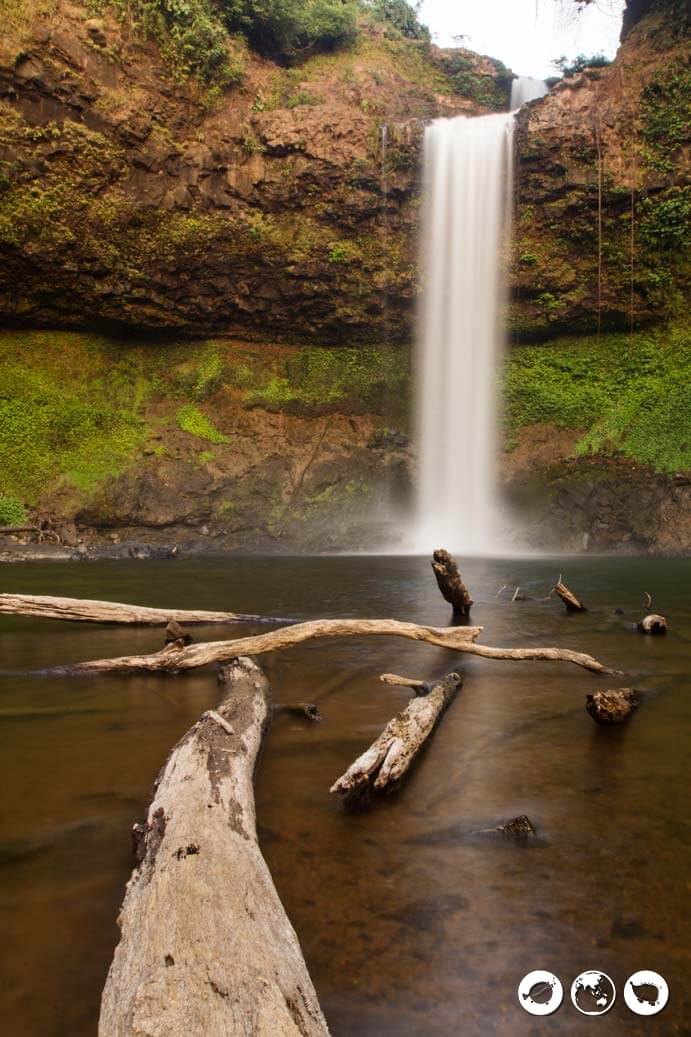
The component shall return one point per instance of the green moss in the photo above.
(70, 411)
(316, 379)
(626, 393)
(665, 110)
(12, 511)
(191, 420)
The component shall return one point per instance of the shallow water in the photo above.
(411, 926)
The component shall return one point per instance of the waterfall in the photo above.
(467, 193)
(524, 89)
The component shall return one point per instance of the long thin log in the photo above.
(572, 603)
(177, 657)
(390, 757)
(450, 583)
(206, 947)
(81, 610)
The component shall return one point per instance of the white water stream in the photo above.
(524, 89)
(467, 193)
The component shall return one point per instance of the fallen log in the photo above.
(573, 604)
(652, 624)
(81, 610)
(450, 583)
(176, 657)
(205, 945)
(613, 706)
(390, 757)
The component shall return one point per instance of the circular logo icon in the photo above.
(540, 992)
(646, 993)
(593, 993)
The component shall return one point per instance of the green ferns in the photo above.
(627, 393)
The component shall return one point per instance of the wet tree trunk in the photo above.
(450, 583)
(206, 947)
(572, 603)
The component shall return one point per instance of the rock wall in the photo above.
(280, 214)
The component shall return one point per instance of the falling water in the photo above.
(524, 89)
(467, 205)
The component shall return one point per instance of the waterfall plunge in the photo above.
(467, 194)
(524, 89)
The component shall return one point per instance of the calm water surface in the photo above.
(411, 925)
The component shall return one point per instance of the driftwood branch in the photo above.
(450, 583)
(205, 946)
(177, 657)
(391, 756)
(81, 610)
(572, 603)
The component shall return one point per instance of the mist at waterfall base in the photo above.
(465, 224)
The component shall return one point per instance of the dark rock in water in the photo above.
(521, 826)
(613, 706)
(626, 928)
(429, 913)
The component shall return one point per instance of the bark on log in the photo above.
(206, 947)
(652, 624)
(613, 706)
(176, 657)
(391, 756)
(81, 610)
(450, 583)
(573, 604)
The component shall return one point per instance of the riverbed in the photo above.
(412, 924)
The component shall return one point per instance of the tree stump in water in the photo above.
(206, 949)
(613, 706)
(572, 603)
(652, 624)
(450, 583)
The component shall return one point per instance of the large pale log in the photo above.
(205, 946)
(450, 583)
(390, 757)
(177, 657)
(81, 610)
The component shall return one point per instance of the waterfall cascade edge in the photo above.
(467, 206)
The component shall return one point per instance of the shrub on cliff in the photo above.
(287, 30)
(402, 15)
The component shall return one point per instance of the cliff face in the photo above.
(280, 216)
(135, 200)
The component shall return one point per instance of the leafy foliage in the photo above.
(666, 114)
(628, 393)
(290, 29)
(580, 63)
(401, 15)
(12, 511)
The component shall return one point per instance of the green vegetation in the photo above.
(570, 67)
(191, 420)
(402, 15)
(12, 511)
(628, 394)
(69, 411)
(316, 380)
(666, 115)
(492, 91)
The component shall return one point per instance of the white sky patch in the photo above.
(527, 35)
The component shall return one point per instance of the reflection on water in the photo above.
(410, 925)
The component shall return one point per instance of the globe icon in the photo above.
(593, 992)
